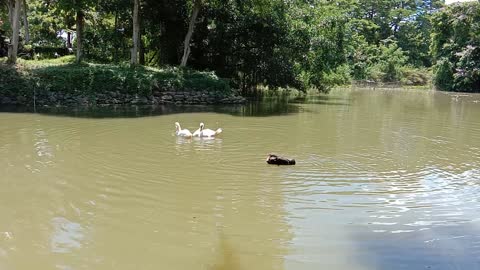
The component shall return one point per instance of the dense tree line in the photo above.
(275, 43)
(455, 47)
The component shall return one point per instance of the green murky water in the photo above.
(384, 180)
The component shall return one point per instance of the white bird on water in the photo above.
(205, 132)
(182, 132)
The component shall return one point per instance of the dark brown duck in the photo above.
(274, 159)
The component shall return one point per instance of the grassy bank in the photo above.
(62, 75)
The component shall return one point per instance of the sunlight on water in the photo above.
(384, 180)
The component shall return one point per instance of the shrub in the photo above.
(415, 76)
(456, 47)
(62, 76)
(339, 76)
(443, 75)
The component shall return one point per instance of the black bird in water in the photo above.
(274, 159)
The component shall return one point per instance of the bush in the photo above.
(415, 76)
(443, 75)
(382, 63)
(456, 47)
(104, 78)
(281, 92)
(467, 72)
(390, 62)
(339, 76)
(60, 75)
(12, 82)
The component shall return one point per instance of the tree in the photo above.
(455, 47)
(197, 5)
(15, 21)
(164, 26)
(78, 7)
(79, 21)
(44, 19)
(136, 33)
(25, 21)
(255, 43)
(10, 7)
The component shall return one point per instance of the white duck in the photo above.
(205, 132)
(182, 132)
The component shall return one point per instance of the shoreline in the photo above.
(58, 82)
(53, 99)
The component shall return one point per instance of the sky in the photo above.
(453, 1)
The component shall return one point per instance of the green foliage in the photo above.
(71, 6)
(456, 47)
(388, 41)
(382, 63)
(339, 76)
(246, 42)
(31, 64)
(63, 76)
(105, 78)
(414, 39)
(467, 75)
(415, 76)
(320, 33)
(443, 72)
(275, 92)
(44, 22)
(12, 80)
(270, 44)
(390, 61)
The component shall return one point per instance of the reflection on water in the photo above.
(226, 256)
(67, 236)
(267, 107)
(384, 180)
(42, 147)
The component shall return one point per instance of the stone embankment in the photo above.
(50, 98)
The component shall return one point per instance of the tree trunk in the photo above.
(141, 45)
(11, 7)
(115, 34)
(153, 56)
(170, 45)
(69, 40)
(25, 22)
(197, 5)
(79, 26)
(136, 33)
(141, 51)
(13, 47)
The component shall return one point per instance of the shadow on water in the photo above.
(226, 258)
(261, 108)
(442, 248)
(270, 107)
(321, 100)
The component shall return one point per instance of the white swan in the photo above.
(205, 132)
(182, 132)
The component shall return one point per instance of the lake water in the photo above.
(385, 179)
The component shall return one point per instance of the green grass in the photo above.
(70, 59)
(63, 75)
